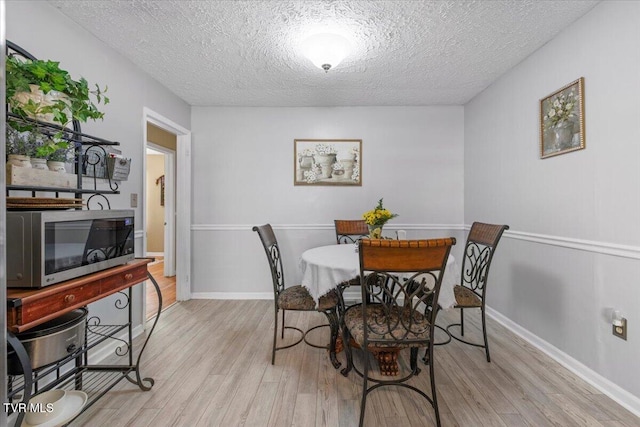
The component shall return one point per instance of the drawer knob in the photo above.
(128, 276)
(69, 298)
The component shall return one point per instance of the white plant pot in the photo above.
(37, 163)
(326, 162)
(56, 166)
(347, 165)
(19, 160)
(43, 99)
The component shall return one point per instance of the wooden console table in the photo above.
(27, 308)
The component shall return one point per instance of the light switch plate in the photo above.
(134, 200)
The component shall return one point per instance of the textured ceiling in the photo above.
(248, 53)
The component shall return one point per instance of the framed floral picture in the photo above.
(562, 120)
(327, 162)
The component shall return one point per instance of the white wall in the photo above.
(243, 176)
(581, 256)
(47, 34)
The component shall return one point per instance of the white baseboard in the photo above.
(232, 295)
(109, 347)
(615, 392)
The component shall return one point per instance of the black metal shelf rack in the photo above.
(74, 372)
(83, 144)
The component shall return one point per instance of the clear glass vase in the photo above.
(375, 231)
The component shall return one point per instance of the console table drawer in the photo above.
(123, 280)
(61, 301)
(27, 308)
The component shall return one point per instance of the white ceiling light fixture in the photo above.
(326, 50)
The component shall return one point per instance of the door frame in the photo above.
(169, 209)
(182, 197)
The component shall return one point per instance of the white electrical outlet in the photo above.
(620, 330)
(134, 200)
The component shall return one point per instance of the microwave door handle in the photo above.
(122, 244)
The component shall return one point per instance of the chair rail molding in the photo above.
(606, 248)
(614, 249)
(248, 227)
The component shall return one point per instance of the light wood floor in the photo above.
(211, 363)
(167, 288)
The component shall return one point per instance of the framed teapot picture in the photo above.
(327, 162)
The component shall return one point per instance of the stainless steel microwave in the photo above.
(48, 247)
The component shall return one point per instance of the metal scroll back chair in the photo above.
(350, 230)
(471, 293)
(296, 298)
(392, 316)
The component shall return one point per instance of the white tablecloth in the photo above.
(324, 268)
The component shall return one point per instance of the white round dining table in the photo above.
(325, 267)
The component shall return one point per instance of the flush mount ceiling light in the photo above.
(326, 50)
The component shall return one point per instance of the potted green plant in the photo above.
(28, 82)
(41, 90)
(20, 146)
(56, 160)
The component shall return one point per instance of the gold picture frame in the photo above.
(327, 162)
(562, 120)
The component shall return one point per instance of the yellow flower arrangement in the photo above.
(378, 216)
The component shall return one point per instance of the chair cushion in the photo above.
(352, 282)
(465, 297)
(299, 298)
(328, 301)
(379, 329)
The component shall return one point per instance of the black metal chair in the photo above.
(350, 230)
(471, 293)
(296, 298)
(394, 319)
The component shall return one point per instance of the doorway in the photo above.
(160, 216)
(177, 203)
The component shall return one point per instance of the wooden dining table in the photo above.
(325, 268)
